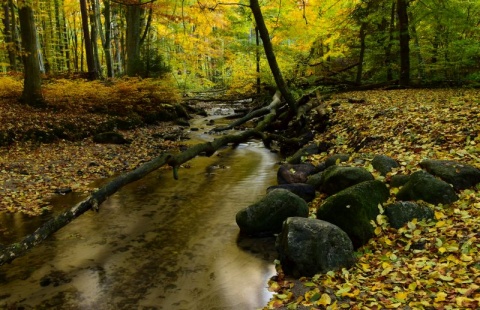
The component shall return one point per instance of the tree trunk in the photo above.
(92, 71)
(93, 37)
(404, 37)
(107, 40)
(257, 59)
(388, 47)
(269, 53)
(65, 42)
(8, 33)
(417, 51)
(361, 57)
(134, 20)
(32, 89)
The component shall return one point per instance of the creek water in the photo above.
(156, 244)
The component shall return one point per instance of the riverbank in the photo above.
(423, 265)
(32, 173)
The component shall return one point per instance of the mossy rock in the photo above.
(353, 208)
(384, 164)
(424, 186)
(401, 212)
(460, 175)
(337, 178)
(336, 158)
(266, 216)
(309, 246)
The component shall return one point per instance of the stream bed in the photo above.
(156, 244)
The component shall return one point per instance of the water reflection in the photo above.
(156, 244)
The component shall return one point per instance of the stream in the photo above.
(156, 244)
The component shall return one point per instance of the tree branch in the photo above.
(276, 103)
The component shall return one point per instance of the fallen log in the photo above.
(15, 250)
(275, 104)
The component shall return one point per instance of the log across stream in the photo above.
(156, 244)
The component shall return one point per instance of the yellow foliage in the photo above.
(10, 86)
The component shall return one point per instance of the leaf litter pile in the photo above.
(423, 265)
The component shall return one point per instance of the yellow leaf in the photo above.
(466, 258)
(412, 286)
(365, 267)
(439, 215)
(440, 224)
(401, 296)
(440, 296)
(378, 230)
(442, 250)
(274, 287)
(387, 241)
(386, 271)
(325, 300)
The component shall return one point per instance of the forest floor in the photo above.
(31, 171)
(391, 272)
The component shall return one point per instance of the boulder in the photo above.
(399, 180)
(315, 180)
(384, 164)
(304, 191)
(266, 216)
(110, 137)
(337, 178)
(353, 208)
(332, 160)
(424, 186)
(309, 246)
(461, 176)
(298, 173)
(401, 212)
(310, 149)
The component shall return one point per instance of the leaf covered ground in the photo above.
(423, 265)
(31, 171)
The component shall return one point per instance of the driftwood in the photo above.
(13, 251)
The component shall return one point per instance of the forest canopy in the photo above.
(205, 44)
